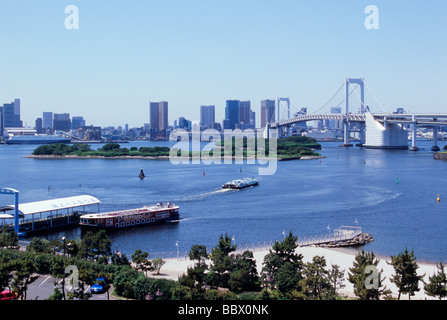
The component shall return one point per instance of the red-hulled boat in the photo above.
(131, 217)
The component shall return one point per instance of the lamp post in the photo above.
(63, 244)
(176, 244)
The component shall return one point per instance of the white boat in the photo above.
(240, 183)
(30, 136)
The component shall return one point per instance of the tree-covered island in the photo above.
(290, 148)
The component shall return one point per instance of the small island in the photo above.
(84, 151)
(290, 148)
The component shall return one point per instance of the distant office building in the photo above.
(231, 114)
(62, 122)
(184, 124)
(253, 119)
(244, 114)
(267, 112)
(11, 115)
(207, 116)
(336, 124)
(158, 115)
(77, 122)
(47, 121)
(38, 126)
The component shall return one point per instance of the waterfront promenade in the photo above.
(344, 258)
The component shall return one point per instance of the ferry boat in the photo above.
(132, 217)
(30, 136)
(240, 183)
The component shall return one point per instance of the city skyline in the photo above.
(208, 53)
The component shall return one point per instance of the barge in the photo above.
(132, 217)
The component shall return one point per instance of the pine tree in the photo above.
(405, 278)
(437, 286)
(366, 278)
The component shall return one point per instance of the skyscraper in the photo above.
(47, 121)
(267, 112)
(159, 115)
(231, 114)
(11, 115)
(77, 122)
(62, 122)
(207, 116)
(244, 114)
(38, 125)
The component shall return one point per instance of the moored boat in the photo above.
(240, 183)
(132, 217)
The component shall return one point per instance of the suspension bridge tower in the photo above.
(346, 122)
(287, 101)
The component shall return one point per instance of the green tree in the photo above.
(8, 238)
(140, 258)
(365, 277)
(222, 262)
(157, 264)
(405, 277)
(282, 266)
(244, 276)
(96, 245)
(23, 276)
(336, 278)
(437, 285)
(198, 253)
(315, 283)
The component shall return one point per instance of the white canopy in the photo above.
(50, 205)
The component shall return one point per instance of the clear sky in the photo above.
(203, 52)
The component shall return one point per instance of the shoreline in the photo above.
(343, 257)
(124, 157)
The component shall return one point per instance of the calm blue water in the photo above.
(303, 196)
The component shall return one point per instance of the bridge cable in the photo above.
(329, 99)
(375, 98)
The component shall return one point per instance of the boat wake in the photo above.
(207, 194)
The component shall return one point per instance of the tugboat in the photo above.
(240, 183)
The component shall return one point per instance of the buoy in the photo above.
(141, 175)
(203, 172)
(397, 181)
(438, 199)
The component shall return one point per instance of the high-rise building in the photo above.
(38, 125)
(231, 114)
(244, 114)
(207, 116)
(62, 122)
(158, 115)
(267, 112)
(336, 124)
(77, 122)
(11, 115)
(253, 119)
(47, 121)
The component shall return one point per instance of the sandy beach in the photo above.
(341, 257)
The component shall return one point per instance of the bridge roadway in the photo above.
(418, 119)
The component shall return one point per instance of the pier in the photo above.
(34, 217)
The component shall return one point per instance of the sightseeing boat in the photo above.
(240, 183)
(131, 217)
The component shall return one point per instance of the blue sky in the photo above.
(202, 52)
